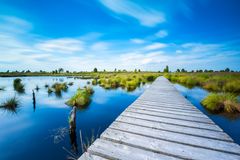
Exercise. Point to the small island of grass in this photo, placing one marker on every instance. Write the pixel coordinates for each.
(81, 97)
(221, 102)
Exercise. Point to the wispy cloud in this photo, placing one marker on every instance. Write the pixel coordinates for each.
(146, 16)
(155, 46)
(61, 45)
(161, 34)
(137, 41)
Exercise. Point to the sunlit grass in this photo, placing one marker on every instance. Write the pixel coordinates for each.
(216, 82)
(128, 81)
(81, 97)
(221, 102)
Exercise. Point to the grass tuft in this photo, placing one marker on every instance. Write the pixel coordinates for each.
(18, 86)
(221, 102)
(11, 104)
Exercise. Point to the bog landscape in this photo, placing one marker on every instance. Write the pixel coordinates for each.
(127, 80)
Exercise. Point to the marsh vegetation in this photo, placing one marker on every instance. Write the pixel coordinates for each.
(224, 88)
(81, 98)
(18, 85)
(10, 104)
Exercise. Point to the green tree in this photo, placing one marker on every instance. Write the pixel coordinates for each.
(95, 70)
(60, 70)
(166, 69)
(227, 70)
(178, 70)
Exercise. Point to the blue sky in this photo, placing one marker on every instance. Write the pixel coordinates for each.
(79, 35)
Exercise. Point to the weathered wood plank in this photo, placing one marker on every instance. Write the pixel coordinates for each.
(87, 156)
(175, 128)
(176, 110)
(173, 121)
(169, 115)
(113, 150)
(178, 138)
(165, 147)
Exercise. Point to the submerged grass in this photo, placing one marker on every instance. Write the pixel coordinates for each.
(221, 102)
(11, 104)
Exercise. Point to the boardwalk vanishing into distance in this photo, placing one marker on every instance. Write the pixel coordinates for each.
(162, 124)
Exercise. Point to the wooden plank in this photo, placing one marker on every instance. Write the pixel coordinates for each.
(173, 121)
(177, 110)
(188, 106)
(175, 128)
(165, 105)
(113, 150)
(165, 147)
(87, 156)
(163, 124)
(178, 138)
(173, 116)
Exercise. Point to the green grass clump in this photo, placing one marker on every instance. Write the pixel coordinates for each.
(124, 80)
(216, 81)
(232, 86)
(94, 82)
(89, 90)
(2, 88)
(81, 98)
(221, 102)
(59, 87)
(11, 104)
(18, 86)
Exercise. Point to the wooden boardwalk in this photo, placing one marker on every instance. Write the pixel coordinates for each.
(162, 124)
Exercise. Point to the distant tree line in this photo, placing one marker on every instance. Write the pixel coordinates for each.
(95, 70)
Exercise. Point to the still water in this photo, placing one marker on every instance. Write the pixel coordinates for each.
(41, 131)
(229, 123)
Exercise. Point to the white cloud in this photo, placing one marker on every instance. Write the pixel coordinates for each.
(179, 51)
(62, 45)
(145, 16)
(14, 24)
(155, 46)
(162, 34)
(99, 46)
(137, 41)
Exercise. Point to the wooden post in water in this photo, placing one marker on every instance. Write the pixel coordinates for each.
(72, 129)
(34, 100)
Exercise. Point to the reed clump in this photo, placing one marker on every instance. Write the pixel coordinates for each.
(81, 98)
(215, 82)
(18, 85)
(221, 102)
(126, 81)
(10, 104)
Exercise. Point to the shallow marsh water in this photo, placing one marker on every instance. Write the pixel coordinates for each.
(42, 132)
